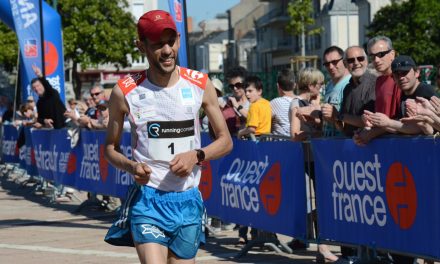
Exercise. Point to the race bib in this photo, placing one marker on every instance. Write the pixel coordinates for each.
(168, 138)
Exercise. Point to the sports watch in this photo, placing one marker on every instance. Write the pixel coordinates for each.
(200, 156)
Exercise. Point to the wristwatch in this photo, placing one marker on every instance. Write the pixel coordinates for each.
(239, 108)
(200, 156)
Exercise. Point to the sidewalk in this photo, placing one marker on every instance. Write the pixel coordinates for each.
(33, 230)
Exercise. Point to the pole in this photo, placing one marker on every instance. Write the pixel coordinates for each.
(16, 83)
(43, 70)
(348, 24)
(303, 48)
(186, 31)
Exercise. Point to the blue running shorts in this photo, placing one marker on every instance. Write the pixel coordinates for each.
(173, 219)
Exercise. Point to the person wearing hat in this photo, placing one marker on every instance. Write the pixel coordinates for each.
(163, 215)
(406, 75)
(102, 121)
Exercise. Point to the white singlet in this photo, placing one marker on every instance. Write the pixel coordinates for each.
(164, 122)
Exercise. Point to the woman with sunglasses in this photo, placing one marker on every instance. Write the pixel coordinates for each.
(238, 101)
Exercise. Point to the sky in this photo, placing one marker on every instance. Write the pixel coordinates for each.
(203, 9)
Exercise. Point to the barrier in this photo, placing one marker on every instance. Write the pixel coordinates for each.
(383, 196)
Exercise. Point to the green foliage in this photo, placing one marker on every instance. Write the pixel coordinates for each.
(414, 28)
(301, 16)
(97, 32)
(9, 47)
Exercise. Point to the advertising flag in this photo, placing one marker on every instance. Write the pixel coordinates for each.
(177, 10)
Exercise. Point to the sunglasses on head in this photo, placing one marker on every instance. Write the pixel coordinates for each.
(95, 94)
(352, 60)
(237, 85)
(380, 54)
(334, 62)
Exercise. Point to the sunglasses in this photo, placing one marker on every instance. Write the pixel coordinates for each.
(237, 85)
(334, 62)
(95, 94)
(352, 60)
(380, 54)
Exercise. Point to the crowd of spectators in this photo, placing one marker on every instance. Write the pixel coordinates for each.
(370, 93)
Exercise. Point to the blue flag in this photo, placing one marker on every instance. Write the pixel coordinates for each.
(25, 19)
(177, 10)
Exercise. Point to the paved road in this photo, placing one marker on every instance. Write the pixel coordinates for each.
(34, 230)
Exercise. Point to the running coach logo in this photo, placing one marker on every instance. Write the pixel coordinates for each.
(153, 130)
(270, 189)
(205, 185)
(401, 195)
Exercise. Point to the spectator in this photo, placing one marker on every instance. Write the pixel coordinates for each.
(381, 53)
(238, 101)
(258, 123)
(30, 100)
(258, 120)
(26, 116)
(310, 81)
(8, 115)
(281, 105)
(334, 89)
(72, 113)
(405, 74)
(96, 94)
(50, 108)
(359, 94)
(102, 121)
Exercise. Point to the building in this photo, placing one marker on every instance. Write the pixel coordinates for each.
(343, 23)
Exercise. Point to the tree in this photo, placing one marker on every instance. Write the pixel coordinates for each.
(414, 28)
(301, 18)
(97, 32)
(9, 50)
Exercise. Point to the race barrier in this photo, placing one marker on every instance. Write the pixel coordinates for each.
(259, 184)
(383, 196)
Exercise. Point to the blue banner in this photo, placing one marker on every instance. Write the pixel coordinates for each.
(27, 154)
(92, 171)
(51, 150)
(384, 195)
(24, 18)
(27, 24)
(259, 185)
(9, 144)
(177, 10)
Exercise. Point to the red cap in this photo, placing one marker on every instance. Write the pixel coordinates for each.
(152, 23)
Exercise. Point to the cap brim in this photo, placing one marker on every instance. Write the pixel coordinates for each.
(402, 69)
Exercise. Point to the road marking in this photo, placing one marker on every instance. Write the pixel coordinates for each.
(70, 251)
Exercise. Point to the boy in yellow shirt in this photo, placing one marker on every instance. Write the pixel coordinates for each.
(259, 117)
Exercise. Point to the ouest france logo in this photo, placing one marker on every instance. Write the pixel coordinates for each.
(249, 185)
(360, 196)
